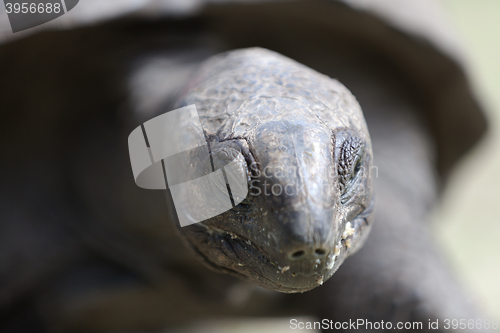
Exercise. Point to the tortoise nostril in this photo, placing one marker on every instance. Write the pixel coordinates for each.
(320, 252)
(305, 253)
(298, 254)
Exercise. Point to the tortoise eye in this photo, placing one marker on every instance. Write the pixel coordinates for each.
(350, 162)
(357, 167)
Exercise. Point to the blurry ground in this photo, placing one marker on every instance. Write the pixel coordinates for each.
(468, 221)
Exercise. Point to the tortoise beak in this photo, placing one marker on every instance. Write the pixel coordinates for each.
(299, 195)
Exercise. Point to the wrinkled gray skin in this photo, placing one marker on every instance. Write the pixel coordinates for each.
(305, 149)
(84, 249)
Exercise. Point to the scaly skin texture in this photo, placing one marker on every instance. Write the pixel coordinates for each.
(308, 157)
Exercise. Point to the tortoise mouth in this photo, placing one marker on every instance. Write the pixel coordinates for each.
(230, 252)
(292, 276)
(245, 259)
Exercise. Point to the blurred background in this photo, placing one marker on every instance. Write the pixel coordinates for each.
(468, 222)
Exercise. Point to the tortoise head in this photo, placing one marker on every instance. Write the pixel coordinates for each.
(301, 143)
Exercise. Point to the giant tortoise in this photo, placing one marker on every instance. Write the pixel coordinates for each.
(85, 249)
